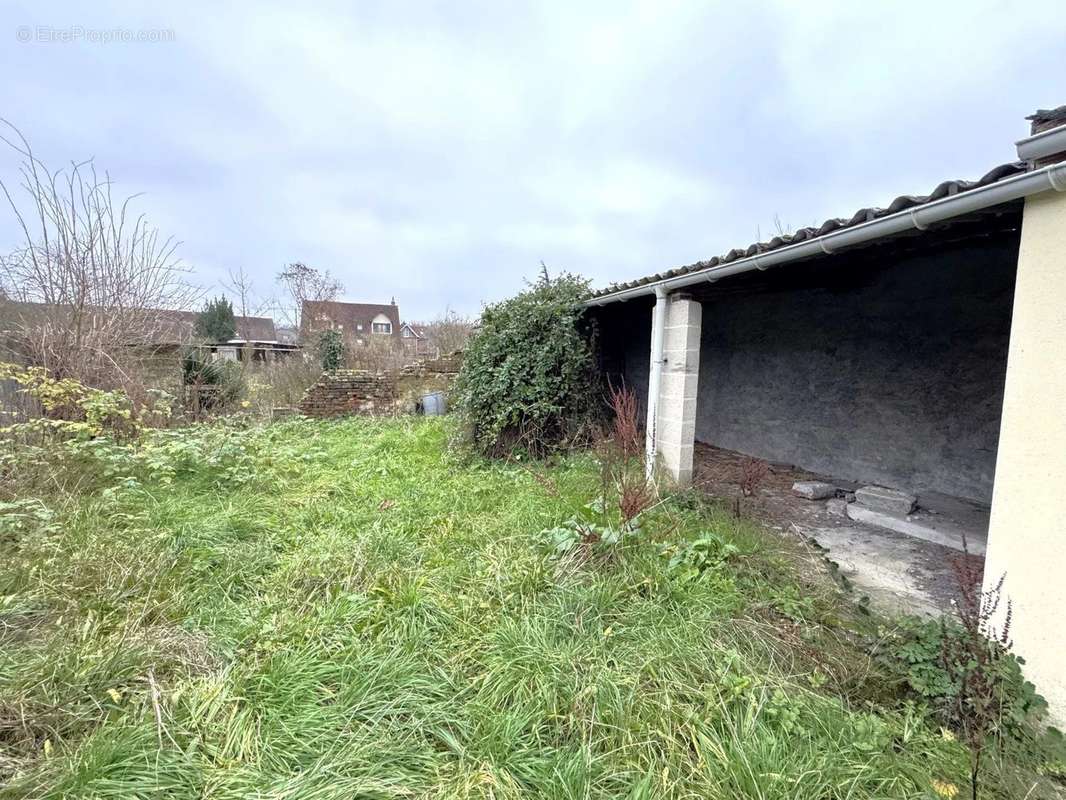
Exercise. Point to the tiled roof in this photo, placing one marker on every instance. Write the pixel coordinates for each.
(901, 203)
(1045, 116)
(178, 327)
(347, 315)
(419, 331)
(168, 327)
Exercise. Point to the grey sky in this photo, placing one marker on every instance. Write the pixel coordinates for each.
(439, 151)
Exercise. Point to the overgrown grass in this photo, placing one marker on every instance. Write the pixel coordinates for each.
(344, 610)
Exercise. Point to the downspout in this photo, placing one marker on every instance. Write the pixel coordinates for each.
(655, 379)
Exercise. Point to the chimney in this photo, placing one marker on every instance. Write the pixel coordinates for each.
(1046, 143)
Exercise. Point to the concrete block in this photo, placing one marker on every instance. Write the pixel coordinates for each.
(941, 533)
(676, 423)
(683, 312)
(890, 501)
(837, 506)
(814, 490)
(681, 359)
(679, 384)
(676, 430)
(681, 337)
(688, 405)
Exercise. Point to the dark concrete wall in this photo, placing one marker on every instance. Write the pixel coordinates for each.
(871, 367)
(624, 334)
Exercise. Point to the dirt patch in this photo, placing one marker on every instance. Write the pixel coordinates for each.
(897, 573)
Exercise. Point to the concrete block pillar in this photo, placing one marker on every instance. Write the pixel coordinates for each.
(1027, 532)
(675, 424)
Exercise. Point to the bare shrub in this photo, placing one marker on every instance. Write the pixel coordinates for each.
(977, 660)
(280, 383)
(88, 289)
(753, 471)
(625, 421)
(623, 456)
(375, 354)
(448, 332)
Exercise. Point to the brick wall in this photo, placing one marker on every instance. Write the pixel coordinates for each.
(356, 391)
(350, 391)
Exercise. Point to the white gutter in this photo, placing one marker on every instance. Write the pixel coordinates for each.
(655, 377)
(1043, 144)
(920, 217)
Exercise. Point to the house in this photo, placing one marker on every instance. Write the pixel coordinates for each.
(160, 331)
(257, 338)
(359, 323)
(414, 339)
(916, 346)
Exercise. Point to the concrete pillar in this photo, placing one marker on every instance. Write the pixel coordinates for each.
(1027, 533)
(676, 423)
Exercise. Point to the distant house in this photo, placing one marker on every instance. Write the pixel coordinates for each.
(257, 338)
(288, 334)
(414, 339)
(160, 331)
(358, 323)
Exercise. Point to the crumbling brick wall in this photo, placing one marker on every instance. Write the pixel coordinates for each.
(355, 391)
(350, 391)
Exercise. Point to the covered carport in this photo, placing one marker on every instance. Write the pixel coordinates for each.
(882, 364)
(917, 347)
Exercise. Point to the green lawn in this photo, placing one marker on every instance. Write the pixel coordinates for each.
(346, 610)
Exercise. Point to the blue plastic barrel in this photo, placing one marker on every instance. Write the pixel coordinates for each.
(433, 405)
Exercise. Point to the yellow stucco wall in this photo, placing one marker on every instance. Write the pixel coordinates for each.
(1027, 536)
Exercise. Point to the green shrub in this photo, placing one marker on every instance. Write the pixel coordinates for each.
(331, 350)
(216, 323)
(527, 379)
(924, 656)
(216, 384)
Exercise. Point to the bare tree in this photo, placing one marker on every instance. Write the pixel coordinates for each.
(300, 282)
(448, 332)
(89, 288)
(248, 302)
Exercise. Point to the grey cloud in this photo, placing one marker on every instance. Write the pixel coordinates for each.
(439, 152)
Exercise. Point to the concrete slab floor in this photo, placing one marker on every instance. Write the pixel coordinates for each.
(897, 572)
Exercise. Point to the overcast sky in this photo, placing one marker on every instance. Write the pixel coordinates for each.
(437, 152)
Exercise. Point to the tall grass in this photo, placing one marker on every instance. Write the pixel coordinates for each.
(355, 613)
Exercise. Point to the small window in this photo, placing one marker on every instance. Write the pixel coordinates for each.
(407, 333)
(382, 327)
(359, 327)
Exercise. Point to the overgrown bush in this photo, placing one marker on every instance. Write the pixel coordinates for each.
(330, 348)
(214, 385)
(73, 410)
(280, 383)
(597, 529)
(527, 379)
(964, 670)
(53, 449)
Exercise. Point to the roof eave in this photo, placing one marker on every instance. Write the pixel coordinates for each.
(1043, 144)
(1052, 177)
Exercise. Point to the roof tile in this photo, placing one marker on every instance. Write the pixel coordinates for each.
(901, 203)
